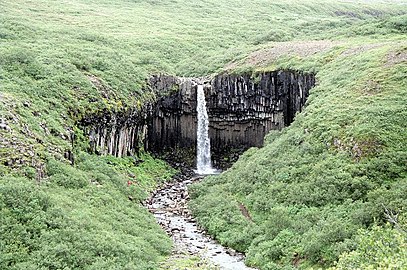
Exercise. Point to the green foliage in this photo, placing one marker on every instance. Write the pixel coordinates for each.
(333, 172)
(82, 217)
(378, 248)
(65, 175)
(181, 261)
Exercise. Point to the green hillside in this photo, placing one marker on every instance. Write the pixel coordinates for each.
(334, 171)
(329, 178)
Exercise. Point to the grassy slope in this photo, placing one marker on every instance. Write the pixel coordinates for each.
(313, 185)
(46, 57)
(331, 173)
(49, 48)
(83, 217)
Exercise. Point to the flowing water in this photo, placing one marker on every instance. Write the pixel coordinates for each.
(169, 206)
(203, 158)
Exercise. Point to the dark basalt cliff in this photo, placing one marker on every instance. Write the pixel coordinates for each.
(116, 134)
(242, 109)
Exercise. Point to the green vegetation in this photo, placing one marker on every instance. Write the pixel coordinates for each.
(67, 59)
(316, 190)
(378, 248)
(176, 262)
(83, 217)
(333, 172)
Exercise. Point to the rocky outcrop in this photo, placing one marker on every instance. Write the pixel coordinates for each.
(242, 109)
(119, 134)
(172, 119)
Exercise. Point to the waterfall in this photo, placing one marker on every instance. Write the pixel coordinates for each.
(204, 164)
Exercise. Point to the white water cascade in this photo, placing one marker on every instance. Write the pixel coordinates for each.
(204, 164)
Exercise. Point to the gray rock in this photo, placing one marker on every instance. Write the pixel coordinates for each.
(5, 127)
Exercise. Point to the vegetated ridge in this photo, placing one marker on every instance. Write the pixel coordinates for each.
(340, 167)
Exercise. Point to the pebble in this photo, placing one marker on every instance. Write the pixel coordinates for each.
(5, 127)
(169, 206)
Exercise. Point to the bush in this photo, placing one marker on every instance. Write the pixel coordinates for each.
(379, 248)
(65, 175)
(64, 222)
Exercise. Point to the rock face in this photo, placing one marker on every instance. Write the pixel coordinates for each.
(116, 134)
(242, 109)
(173, 118)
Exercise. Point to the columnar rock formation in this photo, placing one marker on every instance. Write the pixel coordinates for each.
(242, 110)
(116, 134)
(173, 118)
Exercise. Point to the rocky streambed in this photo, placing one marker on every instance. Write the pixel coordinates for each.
(169, 206)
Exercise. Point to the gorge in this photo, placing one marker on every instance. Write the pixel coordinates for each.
(242, 109)
(305, 120)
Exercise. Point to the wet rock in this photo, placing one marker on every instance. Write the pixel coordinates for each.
(187, 237)
(242, 108)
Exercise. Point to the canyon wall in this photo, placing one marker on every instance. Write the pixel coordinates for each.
(242, 109)
(119, 134)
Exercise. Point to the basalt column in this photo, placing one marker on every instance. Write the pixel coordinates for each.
(117, 134)
(242, 109)
(173, 118)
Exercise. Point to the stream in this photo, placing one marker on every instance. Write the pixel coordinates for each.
(169, 206)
